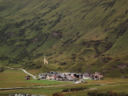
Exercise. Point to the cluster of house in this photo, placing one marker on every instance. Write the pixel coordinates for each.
(67, 76)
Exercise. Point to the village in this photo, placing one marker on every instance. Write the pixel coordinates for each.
(68, 76)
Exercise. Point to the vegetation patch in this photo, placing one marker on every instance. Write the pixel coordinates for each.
(110, 93)
(49, 82)
(74, 89)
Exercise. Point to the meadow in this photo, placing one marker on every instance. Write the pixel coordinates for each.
(15, 78)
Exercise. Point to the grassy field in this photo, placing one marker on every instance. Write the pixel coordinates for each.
(115, 85)
(15, 78)
(48, 82)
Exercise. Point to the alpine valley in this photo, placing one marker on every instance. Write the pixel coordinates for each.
(74, 35)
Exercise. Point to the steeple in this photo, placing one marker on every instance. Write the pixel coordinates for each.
(45, 60)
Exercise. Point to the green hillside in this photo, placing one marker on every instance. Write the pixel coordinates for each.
(80, 35)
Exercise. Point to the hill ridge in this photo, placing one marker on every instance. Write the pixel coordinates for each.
(75, 36)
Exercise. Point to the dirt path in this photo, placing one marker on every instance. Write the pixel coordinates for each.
(26, 72)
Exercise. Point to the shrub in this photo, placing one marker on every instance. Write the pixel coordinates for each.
(110, 93)
(74, 89)
(57, 94)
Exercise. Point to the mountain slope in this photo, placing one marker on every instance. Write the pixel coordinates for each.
(77, 36)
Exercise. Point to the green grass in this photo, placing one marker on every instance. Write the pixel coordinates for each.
(16, 78)
(108, 84)
(49, 82)
(12, 78)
